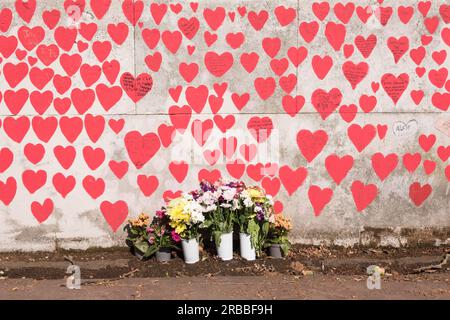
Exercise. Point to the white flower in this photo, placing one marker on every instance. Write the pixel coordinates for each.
(272, 218)
(225, 205)
(208, 198)
(229, 193)
(236, 205)
(210, 208)
(197, 217)
(187, 196)
(248, 202)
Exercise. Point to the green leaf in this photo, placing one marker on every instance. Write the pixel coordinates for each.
(141, 245)
(217, 235)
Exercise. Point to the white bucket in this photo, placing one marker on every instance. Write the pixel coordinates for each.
(190, 250)
(247, 252)
(225, 249)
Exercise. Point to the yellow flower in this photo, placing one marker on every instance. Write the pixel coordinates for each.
(178, 218)
(143, 217)
(179, 228)
(254, 192)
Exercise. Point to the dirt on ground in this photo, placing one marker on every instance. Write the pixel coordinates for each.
(303, 260)
(275, 287)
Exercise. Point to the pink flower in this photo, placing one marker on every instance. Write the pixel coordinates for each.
(175, 236)
(160, 213)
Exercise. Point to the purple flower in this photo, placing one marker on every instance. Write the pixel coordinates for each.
(207, 186)
(260, 216)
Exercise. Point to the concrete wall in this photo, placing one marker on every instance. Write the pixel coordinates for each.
(317, 71)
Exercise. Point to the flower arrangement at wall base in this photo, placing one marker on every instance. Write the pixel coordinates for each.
(216, 208)
(152, 238)
(253, 220)
(186, 217)
(277, 239)
(222, 203)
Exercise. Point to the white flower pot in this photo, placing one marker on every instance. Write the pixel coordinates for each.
(190, 250)
(247, 252)
(225, 249)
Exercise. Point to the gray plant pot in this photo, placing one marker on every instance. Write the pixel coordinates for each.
(138, 254)
(163, 255)
(275, 251)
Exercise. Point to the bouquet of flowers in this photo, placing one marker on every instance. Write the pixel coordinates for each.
(254, 217)
(185, 215)
(218, 206)
(220, 203)
(278, 233)
(147, 238)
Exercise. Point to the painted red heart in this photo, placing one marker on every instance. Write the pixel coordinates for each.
(6, 158)
(384, 165)
(319, 198)
(419, 193)
(44, 128)
(292, 179)
(42, 211)
(355, 73)
(179, 170)
(395, 85)
(71, 127)
(214, 17)
(136, 88)
(94, 187)
(8, 190)
(65, 155)
(63, 185)
(100, 7)
(114, 213)
(311, 144)
(141, 148)
(361, 136)
(366, 45)
(118, 168)
(210, 176)
(5, 19)
(271, 185)
(338, 167)
(442, 152)
(201, 130)
(335, 34)
(218, 64)
(147, 184)
(16, 128)
(34, 180)
(326, 103)
(398, 47)
(260, 128)
(427, 142)
(321, 66)
(411, 161)
(25, 9)
(236, 168)
(132, 9)
(363, 195)
(94, 125)
(94, 157)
